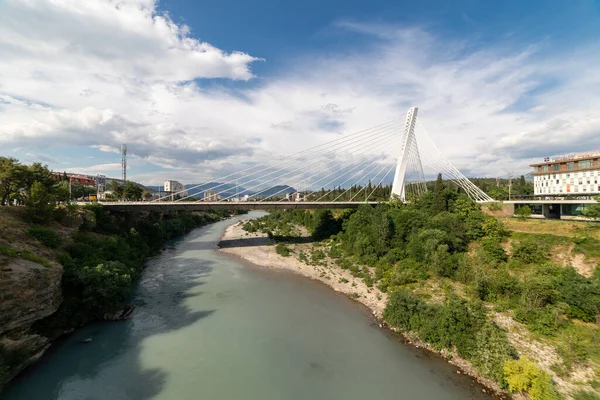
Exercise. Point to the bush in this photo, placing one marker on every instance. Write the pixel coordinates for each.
(453, 324)
(523, 212)
(492, 248)
(282, 250)
(46, 236)
(529, 251)
(523, 375)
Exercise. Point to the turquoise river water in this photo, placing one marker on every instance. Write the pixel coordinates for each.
(208, 326)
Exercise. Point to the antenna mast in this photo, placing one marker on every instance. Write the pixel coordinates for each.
(124, 162)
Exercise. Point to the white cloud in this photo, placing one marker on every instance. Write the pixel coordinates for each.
(101, 73)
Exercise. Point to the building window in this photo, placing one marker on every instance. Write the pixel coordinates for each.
(555, 167)
(571, 165)
(585, 164)
(544, 168)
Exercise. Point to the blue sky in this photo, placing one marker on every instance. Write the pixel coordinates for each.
(198, 88)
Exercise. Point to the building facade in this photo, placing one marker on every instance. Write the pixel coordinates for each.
(211, 195)
(573, 174)
(175, 188)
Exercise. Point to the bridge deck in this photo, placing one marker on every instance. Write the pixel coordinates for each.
(229, 205)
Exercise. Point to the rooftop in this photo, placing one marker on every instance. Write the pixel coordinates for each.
(569, 157)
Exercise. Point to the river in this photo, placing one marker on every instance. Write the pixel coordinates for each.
(207, 326)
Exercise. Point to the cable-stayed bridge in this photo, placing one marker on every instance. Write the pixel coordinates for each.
(342, 173)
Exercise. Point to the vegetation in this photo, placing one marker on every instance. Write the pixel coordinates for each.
(524, 376)
(105, 257)
(592, 211)
(46, 236)
(523, 212)
(449, 270)
(282, 250)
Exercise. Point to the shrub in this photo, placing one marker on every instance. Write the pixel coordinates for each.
(282, 250)
(522, 375)
(492, 248)
(491, 227)
(492, 350)
(541, 320)
(529, 252)
(523, 212)
(453, 324)
(46, 236)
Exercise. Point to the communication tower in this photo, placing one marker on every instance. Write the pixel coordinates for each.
(124, 162)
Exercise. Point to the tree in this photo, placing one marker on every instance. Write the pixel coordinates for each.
(523, 212)
(131, 191)
(147, 195)
(439, 199)
(39, 203)
(117, 189)
(37, 172)
(592, 211)
(11, 177)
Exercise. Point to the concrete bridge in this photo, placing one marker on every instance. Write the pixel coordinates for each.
(166, 206)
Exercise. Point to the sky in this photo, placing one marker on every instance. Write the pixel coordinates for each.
(200, 89)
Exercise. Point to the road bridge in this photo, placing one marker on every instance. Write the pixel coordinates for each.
(332, 175)
(166, 206)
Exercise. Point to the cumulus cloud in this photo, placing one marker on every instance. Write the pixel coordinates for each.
(99, 73)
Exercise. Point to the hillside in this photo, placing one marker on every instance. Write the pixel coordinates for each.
(79, 267)
(516, 303)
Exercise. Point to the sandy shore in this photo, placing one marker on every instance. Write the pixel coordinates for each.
(259, 250)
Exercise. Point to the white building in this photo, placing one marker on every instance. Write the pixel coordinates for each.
(573, 174)
(175, 188)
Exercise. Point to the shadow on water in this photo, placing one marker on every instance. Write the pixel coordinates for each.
(72, 369)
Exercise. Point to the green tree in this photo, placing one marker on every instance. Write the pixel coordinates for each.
(117, 190)
(37, 172)
(523, 212)
(592, 211)
(11, 177)
(439, 199)
(39, 203)
(131, 191)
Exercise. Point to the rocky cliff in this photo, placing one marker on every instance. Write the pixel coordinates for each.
(30, 290)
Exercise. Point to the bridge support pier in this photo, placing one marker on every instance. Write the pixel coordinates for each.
(403, 158)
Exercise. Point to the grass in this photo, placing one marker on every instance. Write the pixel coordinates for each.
(24, 254)
(554, 227)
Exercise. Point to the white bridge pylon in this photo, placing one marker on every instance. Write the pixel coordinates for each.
(348, 169)
(416, 150)
(409, 146)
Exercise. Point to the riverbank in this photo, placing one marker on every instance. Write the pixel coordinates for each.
(79, 268)
(258, 249)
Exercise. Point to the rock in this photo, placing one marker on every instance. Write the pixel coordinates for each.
(88, 340)
(119, 315)
(483, 390)
(30, 292)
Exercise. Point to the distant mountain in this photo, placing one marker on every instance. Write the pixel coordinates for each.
(279, 190)
(224, 189)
